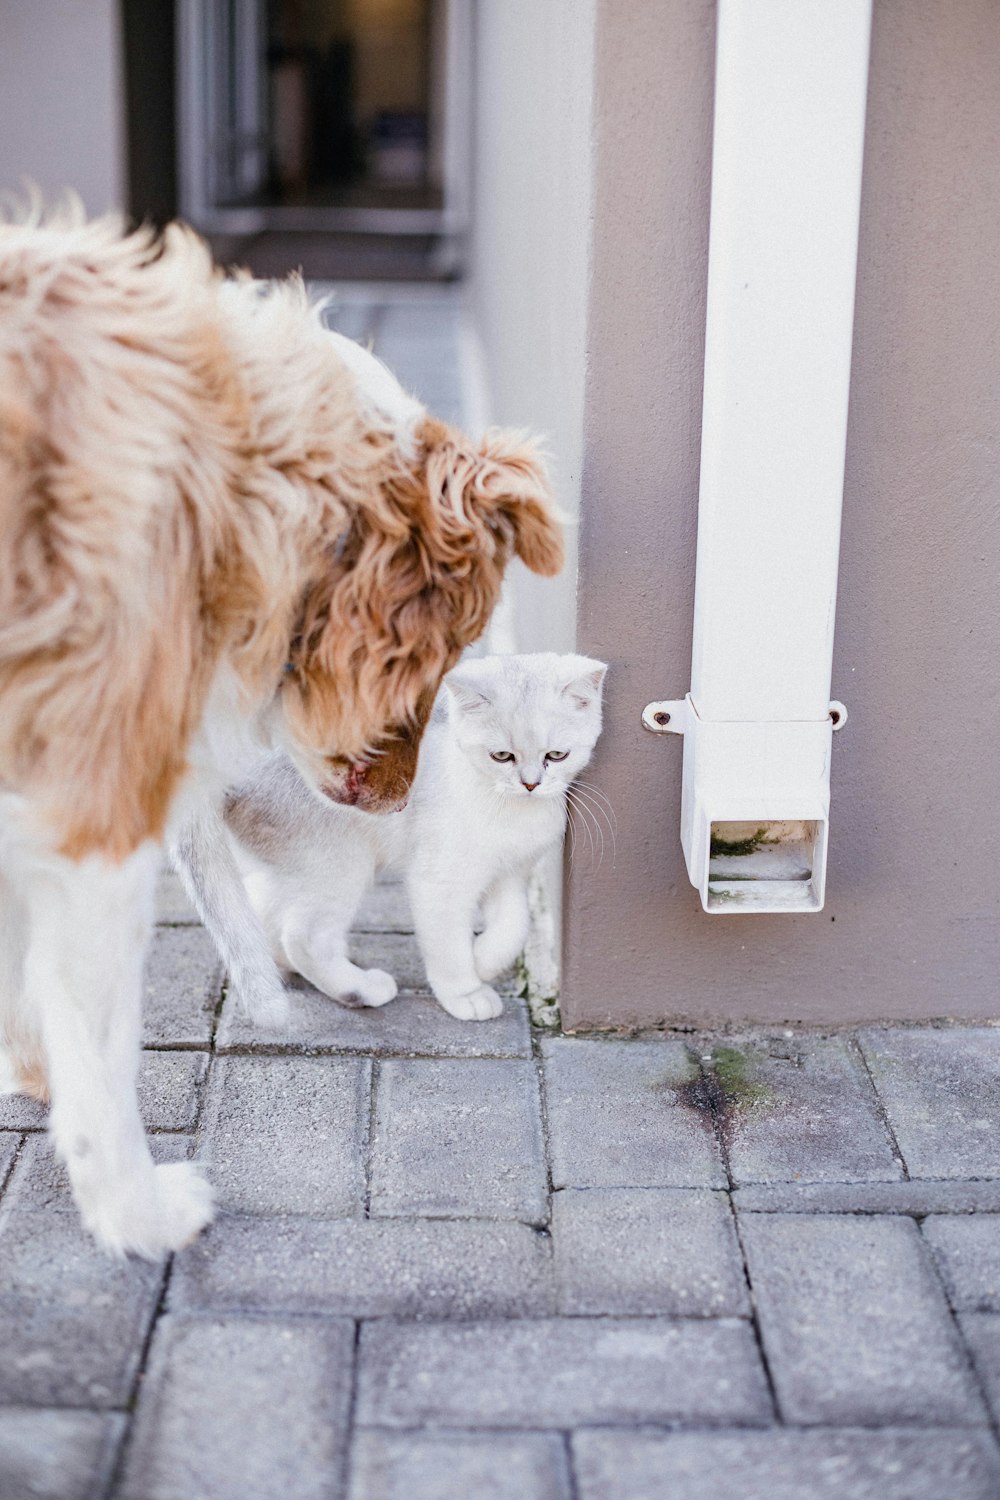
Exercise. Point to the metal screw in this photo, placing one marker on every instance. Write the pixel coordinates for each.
(661, 718)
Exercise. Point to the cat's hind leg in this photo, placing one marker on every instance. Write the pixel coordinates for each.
(506, 921)
(316, 948)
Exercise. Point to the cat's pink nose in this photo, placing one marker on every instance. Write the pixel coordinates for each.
(529, 786)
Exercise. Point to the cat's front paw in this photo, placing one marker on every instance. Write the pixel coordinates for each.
(481, 1004)
(370, 987)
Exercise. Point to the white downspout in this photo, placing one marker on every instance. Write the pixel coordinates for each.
(791, 78)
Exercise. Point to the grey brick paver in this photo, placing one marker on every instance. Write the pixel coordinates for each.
(854, 1323)
(941, 1091)
(921, 1197)
(818, 1465)
(56, 1455)
(286, 1134)
(647, 1250)
(805, 1111)
(408, 1025)
(967, 1251)
(40, 1182)
(458, 1466)
(169, 1085)
(560, 1373)
(234, 1408)
(9, 1142)
(368, 1268)
(172, 904)
(981, 1332)
(385, 909)
(618, 1117)
(183, 983)
(72, 1319)
(458, 1138)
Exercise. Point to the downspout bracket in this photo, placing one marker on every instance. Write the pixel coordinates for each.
(666, 717)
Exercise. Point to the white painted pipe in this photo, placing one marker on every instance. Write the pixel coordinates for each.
(791, 78)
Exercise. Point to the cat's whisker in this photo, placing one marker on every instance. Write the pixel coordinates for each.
(574, 807)
(603, 817)
(603, 798)
(600, 815)
(588, 820)
(572, 834)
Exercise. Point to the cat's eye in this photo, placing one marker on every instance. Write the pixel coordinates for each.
(556, 754)
(501, 755)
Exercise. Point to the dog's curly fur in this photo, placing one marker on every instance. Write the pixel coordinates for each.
(187, 476)
(195, 499)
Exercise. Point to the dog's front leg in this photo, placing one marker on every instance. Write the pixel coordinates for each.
(88, 927)
(204, 859)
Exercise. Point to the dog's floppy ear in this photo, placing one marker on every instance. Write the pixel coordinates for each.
(513, 471)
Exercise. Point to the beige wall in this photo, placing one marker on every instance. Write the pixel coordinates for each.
(529, 250)
(62, 98)
(912, 922)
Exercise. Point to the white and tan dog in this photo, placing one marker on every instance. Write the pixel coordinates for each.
(214, 540)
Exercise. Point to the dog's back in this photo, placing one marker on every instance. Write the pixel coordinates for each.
(119, 423)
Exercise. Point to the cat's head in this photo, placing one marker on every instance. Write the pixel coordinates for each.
(528, 723)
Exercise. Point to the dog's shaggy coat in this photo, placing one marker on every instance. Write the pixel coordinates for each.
(211, 541)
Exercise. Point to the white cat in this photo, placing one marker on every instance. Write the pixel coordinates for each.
(507, 737)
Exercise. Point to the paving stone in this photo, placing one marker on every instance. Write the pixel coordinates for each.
(967, 1251)
(408, 1025)
(941, 1091)
(385, 909)
(173, 907)
(458, 1466)
(368, 1268)
(920, 1197)
(9, 1142)
(18, 1112)
(854, 1323)
(238, 1407)
(183, 983)
(56, 1455)
(72, 1319)
(803, 1110)
(458, 1138)
(647, 1250)
(560, 1373)
(981, 1332)
(169, 1086)
(40, 1182)
(846, 1465)
(618, 1118)
(286, 1134)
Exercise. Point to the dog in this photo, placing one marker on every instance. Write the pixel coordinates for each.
(216, 539)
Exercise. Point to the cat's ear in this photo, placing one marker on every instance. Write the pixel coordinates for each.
(584, 687)
(466, 694)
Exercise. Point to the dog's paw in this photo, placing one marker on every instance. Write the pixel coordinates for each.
(370, 988)
(481, 1004)
(171, 1209)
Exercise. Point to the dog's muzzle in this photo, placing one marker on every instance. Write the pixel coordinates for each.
(354, 790)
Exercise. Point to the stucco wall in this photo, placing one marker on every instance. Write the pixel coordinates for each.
(61, 98)
(912, 922)
(529, 250)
